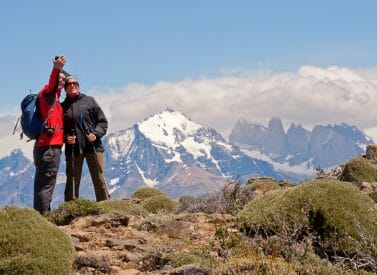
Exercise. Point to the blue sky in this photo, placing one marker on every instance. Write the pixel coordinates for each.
(307, 62)
(114, 43)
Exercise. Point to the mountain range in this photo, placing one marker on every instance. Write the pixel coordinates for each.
(171, 152)
(324, 146)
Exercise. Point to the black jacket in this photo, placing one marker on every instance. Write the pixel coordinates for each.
(83, 115)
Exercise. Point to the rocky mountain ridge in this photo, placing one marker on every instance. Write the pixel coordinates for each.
(324, 146)
(181, 157)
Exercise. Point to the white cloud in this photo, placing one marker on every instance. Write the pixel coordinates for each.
(10, 141)
(309, 97)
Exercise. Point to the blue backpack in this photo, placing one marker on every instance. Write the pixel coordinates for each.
(31, 122)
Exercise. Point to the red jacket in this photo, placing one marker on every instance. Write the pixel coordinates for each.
(47, 96)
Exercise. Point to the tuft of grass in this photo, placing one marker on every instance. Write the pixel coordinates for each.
(29, 244)
(122, 207)
(159, 203)
(263, 185)
(358, 170)
(67, 211)
(178, 258)
(145, 193)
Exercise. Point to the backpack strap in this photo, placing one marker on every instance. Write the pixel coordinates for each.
(16, 126)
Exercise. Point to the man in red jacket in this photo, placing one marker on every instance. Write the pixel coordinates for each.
(47, 148)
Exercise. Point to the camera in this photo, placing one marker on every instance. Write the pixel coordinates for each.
(50, 130)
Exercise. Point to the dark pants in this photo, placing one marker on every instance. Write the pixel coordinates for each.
(46, 160)
(96, 168)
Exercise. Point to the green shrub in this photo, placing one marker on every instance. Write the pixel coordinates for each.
(358, 170)
(342, 218)
(145, 193)
(263, 185)
(159, 203)
(29, 244)
(178, 258)
(122, 207)
(67, 211)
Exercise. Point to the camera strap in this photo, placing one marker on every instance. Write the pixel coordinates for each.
(50, 112)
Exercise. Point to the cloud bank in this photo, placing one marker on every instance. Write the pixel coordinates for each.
(309, 97)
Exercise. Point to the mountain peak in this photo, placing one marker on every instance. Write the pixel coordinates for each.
(169, 110)
(275, 124)
(16, 161)
(242, 121)
(166, 126)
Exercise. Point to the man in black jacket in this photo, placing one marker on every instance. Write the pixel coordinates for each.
(84, 126)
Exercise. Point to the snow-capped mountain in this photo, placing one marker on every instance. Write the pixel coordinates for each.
(16, 178)
(299, 150)
(170, 152)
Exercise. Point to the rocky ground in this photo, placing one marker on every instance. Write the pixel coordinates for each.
(115, 244)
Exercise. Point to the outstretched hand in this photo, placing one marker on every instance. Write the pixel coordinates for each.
(59, 62)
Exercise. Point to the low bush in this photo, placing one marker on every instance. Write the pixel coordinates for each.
(340, 219)
(179, 258)
(358, 170)
(67, 211)
(159, 203)
(263, 185)
(122, 207)
(29, 244)
(145, 193)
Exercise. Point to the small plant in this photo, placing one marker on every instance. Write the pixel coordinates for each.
(263, 185)
(225, 241)
(153, 222)
(145, 193)
(122, 207)
(67, 211)
(230, 200)
(159, 203)
(205, 204)
(235, 196)
(179, 258)
(358, 170)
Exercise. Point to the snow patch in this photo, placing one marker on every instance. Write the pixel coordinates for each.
(120, 144)
(114, 181)
(113, 189)
(151, 183)
(297, 169)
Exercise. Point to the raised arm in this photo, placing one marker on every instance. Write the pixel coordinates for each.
(54, 76)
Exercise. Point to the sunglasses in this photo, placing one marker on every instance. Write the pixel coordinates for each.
(71, 83)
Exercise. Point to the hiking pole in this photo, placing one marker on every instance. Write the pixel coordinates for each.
(87, 132)
(73, 133)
